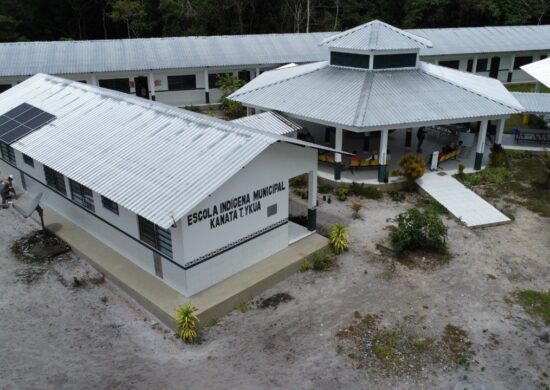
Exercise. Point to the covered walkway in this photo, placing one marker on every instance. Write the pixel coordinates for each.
(463, 203)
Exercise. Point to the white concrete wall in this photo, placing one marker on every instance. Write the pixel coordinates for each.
(278, 163)
(126, 221)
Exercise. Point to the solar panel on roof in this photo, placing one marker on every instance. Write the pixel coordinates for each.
(21, 121)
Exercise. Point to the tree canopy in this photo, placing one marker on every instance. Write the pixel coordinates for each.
(101, 19)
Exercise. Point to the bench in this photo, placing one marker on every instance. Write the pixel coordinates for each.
(540, 137)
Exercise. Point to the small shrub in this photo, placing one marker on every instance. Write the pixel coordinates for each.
(342, 193)
(324, 186)
(244, 306)
(497, 158)
(396, 196)
(233, 109)
(412, 167)
(356, 207)
(306, 266)
(298, 181)
(104, 299)
(461, 167)
(369, 192)
(323, 260)
(187, 322)
(339, 237)
(419, 230)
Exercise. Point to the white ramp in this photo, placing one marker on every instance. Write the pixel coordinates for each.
(463, 203)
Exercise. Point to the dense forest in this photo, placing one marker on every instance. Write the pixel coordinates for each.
(30, 20)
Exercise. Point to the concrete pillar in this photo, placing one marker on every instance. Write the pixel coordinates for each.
(248, 111)
(480, 148)
(382, 155)
(537, 87)
(408, 137)
(257, 71)
(94, 80)
(312, 201)
(511, 69)
(474, 66)
(499, 134)
(151, 80)
(337, 156)
(206, 87)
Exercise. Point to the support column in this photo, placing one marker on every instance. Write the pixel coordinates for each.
(511, 69)
(94, 80)
(481, 136)
(338, 156)
(474, 66)
(312, 201)
(206, 87)
(408, 138)
(382, 155)
(151, 79)
(257, 71)
(499, 134)
(249, 111)
(537, 87)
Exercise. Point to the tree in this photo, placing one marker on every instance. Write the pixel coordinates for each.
(132, 13)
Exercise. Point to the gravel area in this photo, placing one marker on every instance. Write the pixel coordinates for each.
(56, 335)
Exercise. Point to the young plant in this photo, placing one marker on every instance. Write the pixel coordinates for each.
(187, 322)
(419, 230)
(342, 193)
(356, 207)
(461, 169)
(339, 238)
(412, 167)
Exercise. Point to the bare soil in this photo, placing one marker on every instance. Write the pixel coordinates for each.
(55, 335)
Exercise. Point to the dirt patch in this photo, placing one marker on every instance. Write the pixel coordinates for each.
(399, 350)
(38, 247)
(275, 300)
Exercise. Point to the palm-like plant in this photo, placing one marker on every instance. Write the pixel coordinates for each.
(339, 237)
(187, 322)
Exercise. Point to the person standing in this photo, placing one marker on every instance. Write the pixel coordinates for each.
(421, 134)
(6, 189)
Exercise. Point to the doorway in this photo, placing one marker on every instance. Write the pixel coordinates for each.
(142, 87)
(495, 66)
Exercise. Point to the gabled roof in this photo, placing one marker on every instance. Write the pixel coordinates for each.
(485, 40)
(539, 70)
(145, 54)
(269, 121)
(534, 103)
(376, 35)
(155, 160)
(369, 100)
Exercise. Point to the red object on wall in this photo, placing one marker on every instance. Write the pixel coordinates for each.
(157, 83)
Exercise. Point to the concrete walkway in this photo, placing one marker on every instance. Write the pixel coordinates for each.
(160, 299)
(463, 203)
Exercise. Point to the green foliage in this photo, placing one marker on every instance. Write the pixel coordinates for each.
(419, 230)
(132, 13)
(233, 109)
(187, 322)
(433, 205)
(365, 191)
(339, 238)
(461, 167)
(228, 83)
(396, 196)
(497, 159)
(324, 186)
(412, 167)
(298, 181)
(536, 303)
(320, 261)
(342, 193)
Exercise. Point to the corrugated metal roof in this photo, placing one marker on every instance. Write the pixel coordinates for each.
(269, 121)
(376, 35)
(68, 57)
(539, 70)
(483, 40)
(155, 160)
(29, 58)
(372, 99)
(534, 103)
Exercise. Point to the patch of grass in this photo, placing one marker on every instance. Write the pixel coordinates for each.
(397, 196)
(432, 205)
(526, 87)
(536, 303)
(399, 351)
(275, 300)
(298, 181)
(320, 261)
(244, 306)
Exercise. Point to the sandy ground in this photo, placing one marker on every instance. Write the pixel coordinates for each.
(56, 336)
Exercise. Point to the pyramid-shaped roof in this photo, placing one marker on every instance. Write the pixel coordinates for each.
(376, 35)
